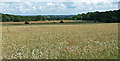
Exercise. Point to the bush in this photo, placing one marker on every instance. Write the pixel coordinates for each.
(61, 22)
(26, 22)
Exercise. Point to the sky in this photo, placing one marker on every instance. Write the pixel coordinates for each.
(55, 7)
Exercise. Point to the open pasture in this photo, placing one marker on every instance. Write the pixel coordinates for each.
(83, 41)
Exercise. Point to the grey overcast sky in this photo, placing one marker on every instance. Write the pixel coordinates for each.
(55, 7)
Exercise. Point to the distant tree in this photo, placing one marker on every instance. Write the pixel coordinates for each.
(26, 22)
(108, 16)
(61, 22)
(6, 18)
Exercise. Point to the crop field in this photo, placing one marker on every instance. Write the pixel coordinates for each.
(70, 41)
(35, 22)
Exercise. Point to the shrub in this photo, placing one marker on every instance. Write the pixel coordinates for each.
(26, 22)
(61, 22)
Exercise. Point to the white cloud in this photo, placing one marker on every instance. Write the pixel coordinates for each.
(50, 4)
(55, 7)
(28, 3)
(36, 8)
(58, 0)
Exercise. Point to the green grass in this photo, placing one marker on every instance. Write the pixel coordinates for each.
(90, 41)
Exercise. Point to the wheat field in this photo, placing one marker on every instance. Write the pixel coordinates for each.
(71, 41)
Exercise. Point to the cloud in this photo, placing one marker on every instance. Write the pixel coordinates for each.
(59, 1)
(50, 4)
(95, 6)
(56, 7)
(88, 1)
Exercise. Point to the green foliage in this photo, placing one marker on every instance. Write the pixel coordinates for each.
(16, 18)
(61, 22)
(59, 17)
(26, 22)
(108, 16)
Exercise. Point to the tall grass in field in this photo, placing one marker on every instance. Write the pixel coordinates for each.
(0, 41)
(0, 37)
(78, 41)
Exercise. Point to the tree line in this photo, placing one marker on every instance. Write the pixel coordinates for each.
(17, 18)
(59, 17)
(107, 17)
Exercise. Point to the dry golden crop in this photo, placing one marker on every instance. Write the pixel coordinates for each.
(34, 22)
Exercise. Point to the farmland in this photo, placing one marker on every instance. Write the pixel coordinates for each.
(75, 41)
(35, 22)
